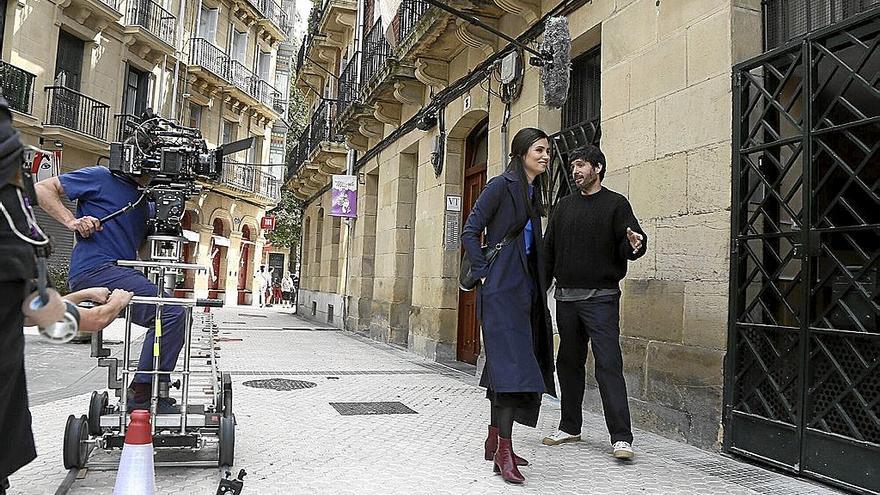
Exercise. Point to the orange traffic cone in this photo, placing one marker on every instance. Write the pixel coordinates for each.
(136, 474)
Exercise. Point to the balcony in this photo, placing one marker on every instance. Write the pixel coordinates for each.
(73, 116)
(206, 56)
(377, 55)
(95, 15)
(125, 124)
(787, 20)
(17, 86)
(275, 20)
(149, 30)
(250, 182)
(326, 145)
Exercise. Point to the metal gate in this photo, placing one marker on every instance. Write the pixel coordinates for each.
(802, 389)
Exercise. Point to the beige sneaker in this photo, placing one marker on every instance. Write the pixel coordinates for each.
(623, 450)
(560, 437)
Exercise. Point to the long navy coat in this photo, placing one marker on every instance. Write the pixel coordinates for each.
(519, 358)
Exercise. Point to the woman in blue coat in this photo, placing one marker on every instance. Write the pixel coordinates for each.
(511, 300)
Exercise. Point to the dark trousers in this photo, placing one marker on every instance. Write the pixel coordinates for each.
(173, 317)
(15, 418)
(596, 321)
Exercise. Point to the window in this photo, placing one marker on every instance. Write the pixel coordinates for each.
(255, 152)
(136, 94)
(239, 45)
(208, 24)
(583, 103)
(263, 63)
(230, 133)
(195, 116)
(68, 65)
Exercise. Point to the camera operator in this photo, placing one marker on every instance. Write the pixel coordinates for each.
(17, 268)
(100, 192)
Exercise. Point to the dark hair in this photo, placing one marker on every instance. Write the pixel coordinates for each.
(589, 153)
(522, 141)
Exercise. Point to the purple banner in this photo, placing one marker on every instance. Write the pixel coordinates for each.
(343, 196)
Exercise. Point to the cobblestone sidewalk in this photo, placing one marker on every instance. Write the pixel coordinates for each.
(296, 442)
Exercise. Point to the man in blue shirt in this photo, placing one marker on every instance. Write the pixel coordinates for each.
(98, 193)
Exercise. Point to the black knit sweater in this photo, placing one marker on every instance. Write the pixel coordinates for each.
(585, 245)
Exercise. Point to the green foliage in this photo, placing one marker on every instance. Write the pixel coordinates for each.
(58, 278)
(288, 224)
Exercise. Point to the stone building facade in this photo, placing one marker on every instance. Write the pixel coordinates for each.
(652, 84)
(654, 77)
(77, 70)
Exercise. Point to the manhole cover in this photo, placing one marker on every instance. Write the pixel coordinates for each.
(282, 384)
(369, 408)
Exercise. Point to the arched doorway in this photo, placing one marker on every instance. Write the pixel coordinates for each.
(217, 283)
(476, 160)
(185, 287)
(243, 264)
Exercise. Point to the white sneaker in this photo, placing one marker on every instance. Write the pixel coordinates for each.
(560, 437)
(623, 450)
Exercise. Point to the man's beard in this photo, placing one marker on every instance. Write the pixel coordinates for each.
(586, 183)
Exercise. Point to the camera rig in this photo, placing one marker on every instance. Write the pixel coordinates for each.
(174, 157)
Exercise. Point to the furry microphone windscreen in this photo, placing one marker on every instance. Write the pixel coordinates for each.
(555, 73)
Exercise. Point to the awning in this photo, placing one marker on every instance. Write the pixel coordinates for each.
(219, 240)
(190, 236)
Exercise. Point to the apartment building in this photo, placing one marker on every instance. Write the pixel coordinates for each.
(745, 135)
(75, 71)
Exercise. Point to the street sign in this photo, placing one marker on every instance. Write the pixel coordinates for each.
(268, 223)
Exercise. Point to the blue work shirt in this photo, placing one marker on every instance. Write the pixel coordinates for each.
(99, 193)
(530, 235)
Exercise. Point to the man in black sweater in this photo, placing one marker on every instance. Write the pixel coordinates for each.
(589, 239)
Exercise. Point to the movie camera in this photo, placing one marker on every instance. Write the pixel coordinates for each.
(174, 157)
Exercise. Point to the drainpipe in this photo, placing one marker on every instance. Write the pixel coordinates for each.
(350, 161)
(178, 51)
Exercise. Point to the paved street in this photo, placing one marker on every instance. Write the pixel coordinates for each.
(296, 442)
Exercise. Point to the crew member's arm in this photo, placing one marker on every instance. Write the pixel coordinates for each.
(49, 194)
(97, 295)
(632, 240)
(97, 318)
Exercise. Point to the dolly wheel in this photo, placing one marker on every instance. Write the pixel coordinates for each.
(227, 441)
(76, 433)
(226, 394)
(97, 406)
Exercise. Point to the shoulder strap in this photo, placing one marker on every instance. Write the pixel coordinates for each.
(513, 234)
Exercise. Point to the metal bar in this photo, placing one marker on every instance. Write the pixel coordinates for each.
(126, 349)
(157, 347)
(164, 301)
(187, 339)
(161, 264)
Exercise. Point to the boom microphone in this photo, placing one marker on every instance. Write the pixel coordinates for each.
(557, 64)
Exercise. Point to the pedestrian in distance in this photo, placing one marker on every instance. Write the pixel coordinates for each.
(287, 289)
(511, 298)
(259, 287)
(591, 236)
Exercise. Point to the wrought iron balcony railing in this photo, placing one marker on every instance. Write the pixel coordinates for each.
(303, 146)
(250, 179)
(322, 128)
(74, 110)
(408, 16)
(205, 54)
(114, 4)
(125, 123)
(376, 52)
(347, 91)
(301, 56)
(242, 77)
(786, 20)
(152, 17)
(17, 86)
(275, 13)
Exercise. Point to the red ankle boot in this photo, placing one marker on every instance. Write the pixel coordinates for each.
(491, 446)
(504, 463)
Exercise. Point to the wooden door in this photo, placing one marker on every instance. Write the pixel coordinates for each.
(243, 263)
(476, 154)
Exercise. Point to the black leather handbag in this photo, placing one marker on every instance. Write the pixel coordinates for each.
(466, 281)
